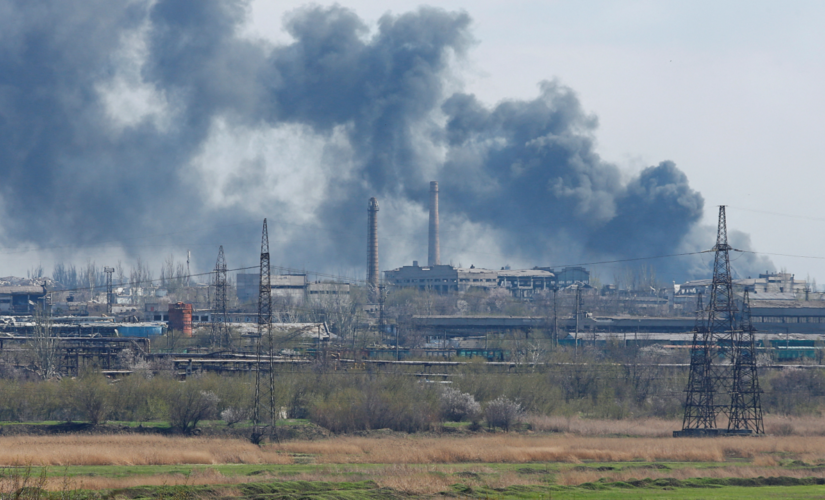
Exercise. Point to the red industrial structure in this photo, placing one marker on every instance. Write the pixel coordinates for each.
(180, 318)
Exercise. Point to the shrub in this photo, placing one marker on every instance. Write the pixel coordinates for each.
(234, 415)
(388, 403)
(457, 406)
(188, 404)
(91, 396)
(502, 412)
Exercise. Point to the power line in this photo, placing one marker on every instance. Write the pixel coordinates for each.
(139, 282)
(778, 214)
(632, 259)
(779, 254)
(118, 243)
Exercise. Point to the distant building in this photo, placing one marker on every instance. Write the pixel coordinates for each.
(446, 278)
(569, 275)
(526, 283)
(295, 286)
(20, 299)
(442, 278)
(768, 286)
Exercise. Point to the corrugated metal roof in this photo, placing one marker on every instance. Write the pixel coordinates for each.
(787, 304)
(525, 273)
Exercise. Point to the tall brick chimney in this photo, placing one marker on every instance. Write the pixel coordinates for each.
(434, 254)
(372, 244)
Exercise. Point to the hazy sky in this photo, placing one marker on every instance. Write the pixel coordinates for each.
(728, 92)
(732, 92)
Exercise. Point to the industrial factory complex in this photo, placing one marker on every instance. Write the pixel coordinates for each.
(102, 319)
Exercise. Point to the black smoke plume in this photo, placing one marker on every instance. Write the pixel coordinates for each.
(83, 166)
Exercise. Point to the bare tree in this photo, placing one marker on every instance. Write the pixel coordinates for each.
(502, 412)
(44, 345)
(120, 273)
(188, 404)
(90, 396)
(65, 275)
(35, 272)
(343, 312)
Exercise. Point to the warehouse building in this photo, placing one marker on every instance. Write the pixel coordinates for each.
(20, 299)
(442, 278)
(294, 286)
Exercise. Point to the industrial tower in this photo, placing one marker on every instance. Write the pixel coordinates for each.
(373, 274)
(723, 379)
(264, 331)
(220, 330)
(110, 296)
(434, 246)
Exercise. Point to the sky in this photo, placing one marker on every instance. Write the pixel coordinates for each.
(728, 93)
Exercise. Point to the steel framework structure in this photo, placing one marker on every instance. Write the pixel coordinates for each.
(723, 378)
(220, 330)
(264, 330)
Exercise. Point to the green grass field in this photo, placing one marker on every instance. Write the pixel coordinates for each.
(319, 481)
(368, 489)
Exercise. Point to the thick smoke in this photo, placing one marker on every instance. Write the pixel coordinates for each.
(113, 116)
(533, 162)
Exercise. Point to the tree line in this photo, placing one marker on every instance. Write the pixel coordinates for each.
(359, 398)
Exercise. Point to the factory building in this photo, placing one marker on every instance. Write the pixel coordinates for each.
(442, 278)
(524, 284)
(570, 275)
(446, 278)
(767, 287)
(294, 286)
(20, 299)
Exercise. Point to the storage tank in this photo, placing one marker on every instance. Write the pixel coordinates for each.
(180, 318)
(139, 330)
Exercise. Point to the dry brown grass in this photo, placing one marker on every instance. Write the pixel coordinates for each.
(777, 425)
(413, 480)
(200, 477)
(131, 450)
(100, 483)
(642, 427)
(509, 448)
(811, 425)
(416, 465)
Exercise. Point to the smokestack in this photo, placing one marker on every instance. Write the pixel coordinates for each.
(372, 244)
(434, 254)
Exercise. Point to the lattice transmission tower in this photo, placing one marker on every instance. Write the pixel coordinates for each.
(220, 328)
(723, 378)
(746, 407)
(264, 334)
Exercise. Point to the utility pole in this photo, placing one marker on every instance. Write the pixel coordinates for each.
(555, 316)
(578, 312)
(397, 354)
(110, 296)
(381, 309)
